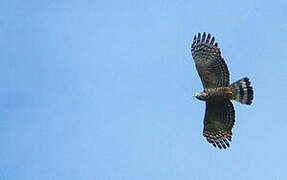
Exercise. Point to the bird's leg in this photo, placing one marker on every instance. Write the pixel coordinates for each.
(228, 93)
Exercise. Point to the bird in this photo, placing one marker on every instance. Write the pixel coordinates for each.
(218, 92)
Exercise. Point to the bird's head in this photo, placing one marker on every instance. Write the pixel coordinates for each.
(201, 96)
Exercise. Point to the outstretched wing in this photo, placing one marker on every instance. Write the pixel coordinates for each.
(218, 121)
(210, 65)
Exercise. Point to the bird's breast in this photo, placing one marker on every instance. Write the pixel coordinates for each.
(217, 92)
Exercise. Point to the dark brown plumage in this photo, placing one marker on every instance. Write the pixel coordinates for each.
(213, 72)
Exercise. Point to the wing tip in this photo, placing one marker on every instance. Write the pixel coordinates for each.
(218, 139)
(205, 38)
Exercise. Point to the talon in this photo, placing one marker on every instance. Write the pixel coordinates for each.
(229, 93)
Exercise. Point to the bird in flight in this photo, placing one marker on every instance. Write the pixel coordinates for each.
(219, 112)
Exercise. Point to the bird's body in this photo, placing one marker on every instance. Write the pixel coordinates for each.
(224, 92)
(218, 93)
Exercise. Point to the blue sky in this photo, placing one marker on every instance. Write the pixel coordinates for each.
(102, 90)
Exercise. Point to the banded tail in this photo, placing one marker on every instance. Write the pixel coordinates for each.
(242, 91)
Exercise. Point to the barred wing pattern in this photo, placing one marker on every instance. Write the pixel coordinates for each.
(210, 65)
(218, 121)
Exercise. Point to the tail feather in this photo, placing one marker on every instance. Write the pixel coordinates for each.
(242, 91)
